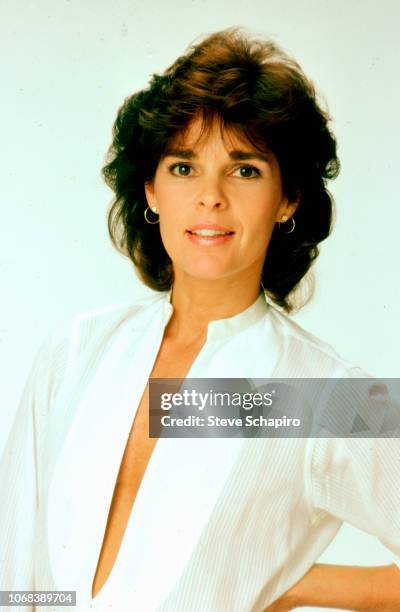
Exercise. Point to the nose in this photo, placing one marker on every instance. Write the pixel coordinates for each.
(212, 194)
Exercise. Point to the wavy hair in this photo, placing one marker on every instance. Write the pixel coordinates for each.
(258, 91)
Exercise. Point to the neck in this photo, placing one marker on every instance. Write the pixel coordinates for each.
(196, 302)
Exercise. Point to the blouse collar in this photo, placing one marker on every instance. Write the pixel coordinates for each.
(229, 326)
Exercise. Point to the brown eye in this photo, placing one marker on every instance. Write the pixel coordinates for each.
(248, 171)
(181, 169)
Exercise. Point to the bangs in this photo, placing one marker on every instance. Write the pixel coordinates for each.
(233, 134)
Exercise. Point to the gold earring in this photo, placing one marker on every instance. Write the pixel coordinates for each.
(285, 218)
(153, 210)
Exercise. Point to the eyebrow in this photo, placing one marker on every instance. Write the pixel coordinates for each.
(237, 154)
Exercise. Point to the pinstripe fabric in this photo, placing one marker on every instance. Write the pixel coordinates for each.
(218, 525)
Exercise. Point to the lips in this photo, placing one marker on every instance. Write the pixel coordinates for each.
(209, 234)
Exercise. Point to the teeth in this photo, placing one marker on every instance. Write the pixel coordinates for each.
(208, 232)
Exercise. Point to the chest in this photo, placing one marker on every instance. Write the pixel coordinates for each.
(170, 362)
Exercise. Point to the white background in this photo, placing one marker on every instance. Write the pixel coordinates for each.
(66, 68)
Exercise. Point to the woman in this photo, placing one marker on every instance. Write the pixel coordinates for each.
(219, 169)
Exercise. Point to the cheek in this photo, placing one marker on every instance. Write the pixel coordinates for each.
(171, 201)
(257, 230)
(172, 227)
(259, 222)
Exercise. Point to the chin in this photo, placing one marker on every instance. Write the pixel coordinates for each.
(208, 272)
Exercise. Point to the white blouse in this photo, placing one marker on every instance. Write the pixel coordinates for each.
(218, 524)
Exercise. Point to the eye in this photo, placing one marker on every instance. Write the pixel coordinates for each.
(248, 172)
(180, 169)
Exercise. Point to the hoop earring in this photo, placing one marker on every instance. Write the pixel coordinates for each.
(284, 219)
(153, 210)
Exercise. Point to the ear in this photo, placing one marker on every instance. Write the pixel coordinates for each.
(287, 208)
(149, 193)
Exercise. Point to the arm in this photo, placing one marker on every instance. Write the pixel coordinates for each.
(21, 467)
(356, 479)
(363, 589)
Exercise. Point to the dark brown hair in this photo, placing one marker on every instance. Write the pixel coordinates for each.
(254, 88)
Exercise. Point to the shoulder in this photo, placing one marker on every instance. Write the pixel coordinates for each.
(308, 354)
(71, 349)
(87, 333)
(103, 322)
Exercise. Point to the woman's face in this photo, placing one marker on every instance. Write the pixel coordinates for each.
(209, 185)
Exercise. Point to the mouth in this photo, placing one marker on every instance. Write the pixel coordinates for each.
(209, 237)
(209, 232)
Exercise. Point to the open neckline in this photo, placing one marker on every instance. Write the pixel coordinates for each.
(102, 593)
(228, 326)
(221, 326)
(148, 474)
